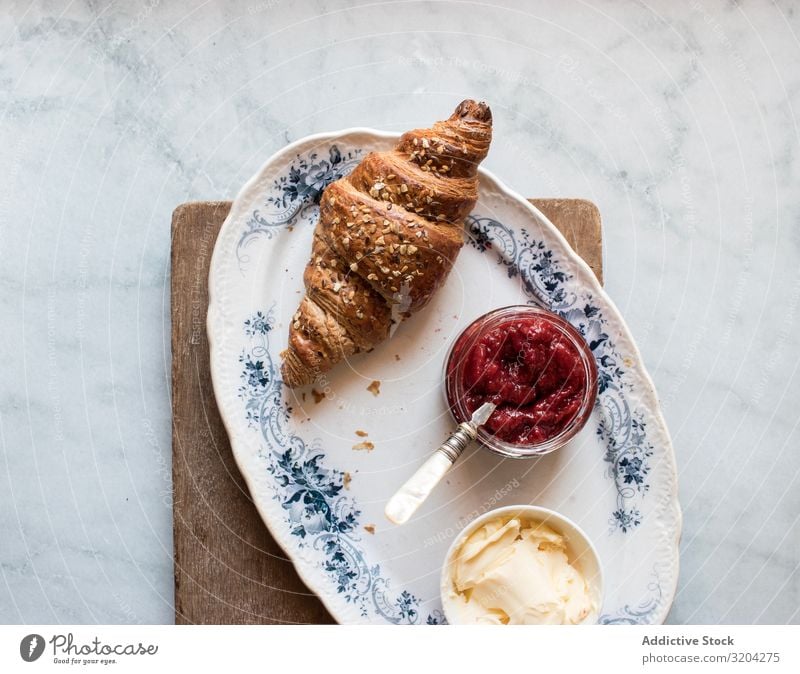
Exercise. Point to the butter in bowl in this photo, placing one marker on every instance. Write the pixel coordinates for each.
(522, 565)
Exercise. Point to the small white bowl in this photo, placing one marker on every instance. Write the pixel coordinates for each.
(580, 551)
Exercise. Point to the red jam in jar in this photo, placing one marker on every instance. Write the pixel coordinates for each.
(533, 365)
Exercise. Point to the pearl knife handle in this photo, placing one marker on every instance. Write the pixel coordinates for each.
(413, 493)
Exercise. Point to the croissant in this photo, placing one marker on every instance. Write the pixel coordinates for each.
(387, 237)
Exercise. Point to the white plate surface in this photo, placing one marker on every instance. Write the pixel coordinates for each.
(322, 500)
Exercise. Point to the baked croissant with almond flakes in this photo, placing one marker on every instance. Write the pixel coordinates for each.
(387, 237)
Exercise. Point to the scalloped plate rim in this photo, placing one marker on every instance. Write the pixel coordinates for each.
(216, 330)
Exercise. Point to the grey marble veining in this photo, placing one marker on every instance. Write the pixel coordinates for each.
(680, 122)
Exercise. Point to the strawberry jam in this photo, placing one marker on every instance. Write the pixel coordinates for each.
(533, 365)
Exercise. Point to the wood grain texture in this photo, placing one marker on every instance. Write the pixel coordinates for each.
(579, 221)
(228, 569)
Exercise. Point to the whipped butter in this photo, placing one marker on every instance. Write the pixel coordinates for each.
(513, 571)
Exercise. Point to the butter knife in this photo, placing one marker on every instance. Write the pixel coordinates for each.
(418, 487)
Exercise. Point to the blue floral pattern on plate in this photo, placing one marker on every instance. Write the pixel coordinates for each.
(621, 428)
(318, 512)
(296, 192)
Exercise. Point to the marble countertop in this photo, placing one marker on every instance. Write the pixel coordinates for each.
(681, 123)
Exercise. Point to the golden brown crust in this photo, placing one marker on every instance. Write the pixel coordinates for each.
(344, 294)
(403, 183)
(387, 237)
(384, 244)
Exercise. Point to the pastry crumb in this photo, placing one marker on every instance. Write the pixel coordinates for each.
(304, 396)
(346, 480)
(374, 388)
(365, 445)
(361, 434)
(318, 397)
(397, 356)
(369, 528)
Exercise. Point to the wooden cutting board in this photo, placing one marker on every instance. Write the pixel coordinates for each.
(228, 569)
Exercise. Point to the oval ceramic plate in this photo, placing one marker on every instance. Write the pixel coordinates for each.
(320, 484)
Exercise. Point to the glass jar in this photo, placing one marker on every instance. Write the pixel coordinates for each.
(513, 317)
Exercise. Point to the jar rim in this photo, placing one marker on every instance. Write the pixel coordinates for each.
(492, 319)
